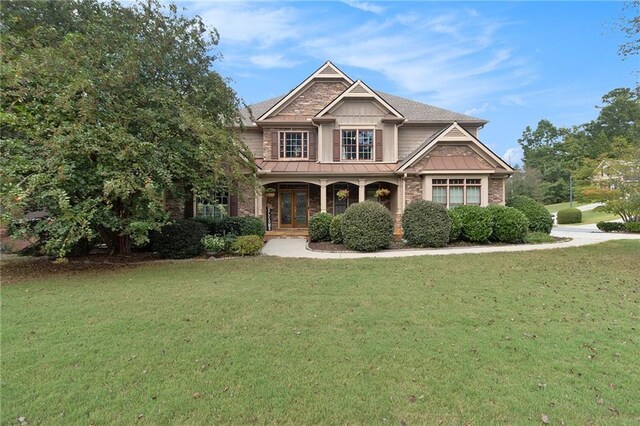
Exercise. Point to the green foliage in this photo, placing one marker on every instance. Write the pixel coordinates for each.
(247, 245)
(632, 227)
(456, 224)
(179, 240)
(213, 244)
(319, 227)
(623, 201)
(367, 226)
(538, 238)
(105, 107)
(476, 223)
(540, 219)
(526, 182)
(509, 225)
(234, 225)
(250, 225)
(335, 230)
(610, 226)
(426, 224)
(570, 215)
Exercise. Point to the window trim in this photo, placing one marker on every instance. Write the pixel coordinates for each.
(467, 182)
(282, 145)
(213, 201)
(358, 129)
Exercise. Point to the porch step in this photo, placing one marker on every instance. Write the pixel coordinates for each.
(296, 233)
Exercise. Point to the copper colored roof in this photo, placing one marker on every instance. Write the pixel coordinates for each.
(455, 162)
(311, 167)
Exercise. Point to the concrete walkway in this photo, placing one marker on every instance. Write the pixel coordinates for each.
(581, 235)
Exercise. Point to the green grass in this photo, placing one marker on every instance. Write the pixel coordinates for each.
(492, 338)
(592, 216)
(538, 238)
(553, 208)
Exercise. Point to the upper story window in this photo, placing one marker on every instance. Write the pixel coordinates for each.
(294, 144)
(357, 144)
(456, 192)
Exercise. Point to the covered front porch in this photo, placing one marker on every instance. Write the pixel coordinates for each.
(289, 203)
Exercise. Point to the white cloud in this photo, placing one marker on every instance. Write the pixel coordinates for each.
(478, 110)
(513, 156)
(272, 61)
(365, 6)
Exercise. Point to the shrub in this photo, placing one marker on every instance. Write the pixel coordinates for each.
(179, 240)
(540, 219)
(247, 245)
(335, 230)
(610, 226)
(632, 227)
(569, 216)
(476, 222)
(426, 224)
(509, 225)
(538, 238)
(234, 225)
(214, 244)
(456, 225)
(367, 226)
(319, 227)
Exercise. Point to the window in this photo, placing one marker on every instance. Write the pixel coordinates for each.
(357, 144)
(294, 144)
(455, 192)
(340, 204)
(217, 207)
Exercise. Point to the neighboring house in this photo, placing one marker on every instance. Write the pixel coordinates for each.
(331, 136)
(611, 173)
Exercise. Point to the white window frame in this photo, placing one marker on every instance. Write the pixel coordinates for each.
(214, 206)
(357, 130)
(282, 147)
(466, 183)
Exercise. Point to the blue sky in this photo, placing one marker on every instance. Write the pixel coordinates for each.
(510, 63)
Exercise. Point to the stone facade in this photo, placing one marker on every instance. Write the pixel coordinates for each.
(314, 99)
(496, 187)
(413, 187)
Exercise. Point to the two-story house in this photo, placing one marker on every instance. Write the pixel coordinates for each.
(332, 142)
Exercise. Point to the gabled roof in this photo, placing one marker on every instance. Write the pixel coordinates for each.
(326, 71)
(454, 132)
(359, 90)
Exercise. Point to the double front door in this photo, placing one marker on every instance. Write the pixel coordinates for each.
(294, 207)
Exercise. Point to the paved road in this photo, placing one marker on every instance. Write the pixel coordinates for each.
(580, 235)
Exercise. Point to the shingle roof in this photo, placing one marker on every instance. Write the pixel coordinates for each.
(411, 110)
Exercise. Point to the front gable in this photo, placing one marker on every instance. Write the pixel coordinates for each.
(360, 91)
(453, 150)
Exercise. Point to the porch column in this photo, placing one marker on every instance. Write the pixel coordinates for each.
(258, 207)
(323, 195)
(361, 194)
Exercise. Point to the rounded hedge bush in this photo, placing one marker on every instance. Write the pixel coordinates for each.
(319, 225)
(367, 226)
(234, 225)
(179, 240)
(247, 245)
(610, 226)
(476, 223)
(509, 225)
(426, 224)
(335, 230)
(570, 215)
(633, 227)
(456, 224)
(540, 219)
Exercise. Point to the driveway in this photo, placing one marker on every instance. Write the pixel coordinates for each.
(581, 235)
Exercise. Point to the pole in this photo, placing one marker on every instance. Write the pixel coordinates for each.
(571, 191)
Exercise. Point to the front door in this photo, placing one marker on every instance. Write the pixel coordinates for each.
(294, 206)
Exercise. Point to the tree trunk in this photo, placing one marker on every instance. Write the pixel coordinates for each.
(123, 245)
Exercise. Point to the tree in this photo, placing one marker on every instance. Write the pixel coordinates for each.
(105, 110)
(630, 25)
(526, 182)
(621, 194)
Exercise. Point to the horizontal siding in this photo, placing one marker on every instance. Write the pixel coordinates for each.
(253, 140)
(409, 138)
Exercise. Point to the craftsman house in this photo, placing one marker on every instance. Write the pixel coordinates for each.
(333, 141)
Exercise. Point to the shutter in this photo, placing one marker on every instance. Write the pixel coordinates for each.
(336, 145)
(233, 205)
(188, 205)
(378, 145)
(274, 145)
(313, 145)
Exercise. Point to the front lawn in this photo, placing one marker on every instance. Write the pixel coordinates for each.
(492, 338)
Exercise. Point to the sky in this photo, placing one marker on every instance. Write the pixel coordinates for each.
(511, 63)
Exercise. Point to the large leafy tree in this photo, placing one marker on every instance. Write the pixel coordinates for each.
(106, 110)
